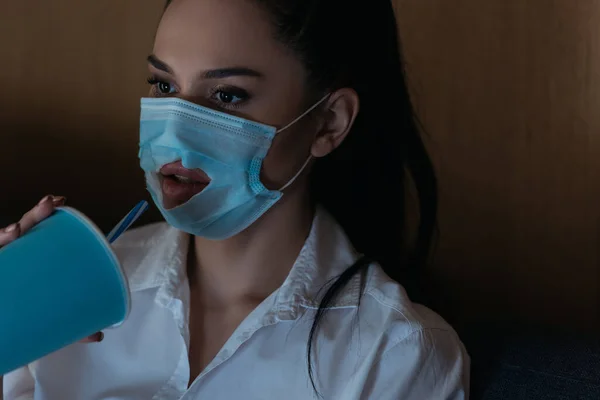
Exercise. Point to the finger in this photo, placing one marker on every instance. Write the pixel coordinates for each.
(43, 210)
(59, 201)
(9, 234)
(95, 338)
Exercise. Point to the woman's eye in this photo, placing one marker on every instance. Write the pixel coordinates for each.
(164, 87)
(228, 97)
(161, 88)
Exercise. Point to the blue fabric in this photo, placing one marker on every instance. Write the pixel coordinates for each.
(535, 365)
(230, 150)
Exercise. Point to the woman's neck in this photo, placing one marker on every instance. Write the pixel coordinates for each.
(254, 263)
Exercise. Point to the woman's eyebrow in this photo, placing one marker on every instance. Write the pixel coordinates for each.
(158, 64)
(219, 73)
(222, 73)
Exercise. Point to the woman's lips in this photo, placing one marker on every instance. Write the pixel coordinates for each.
(179, 184)
(177, 168)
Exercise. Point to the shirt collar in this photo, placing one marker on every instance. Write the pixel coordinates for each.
(326, 254)
(155, 257)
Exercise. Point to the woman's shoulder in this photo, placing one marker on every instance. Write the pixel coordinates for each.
(386, 305)
(392, 299)
(417, 350)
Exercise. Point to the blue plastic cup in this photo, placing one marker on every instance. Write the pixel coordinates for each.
(59, 283)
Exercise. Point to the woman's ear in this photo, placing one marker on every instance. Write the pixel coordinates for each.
(342, 109)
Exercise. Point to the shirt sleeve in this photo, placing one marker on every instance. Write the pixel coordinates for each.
(429, 364)
(19, 385)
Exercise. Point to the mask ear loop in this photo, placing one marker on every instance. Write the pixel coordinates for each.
(297, 174)
(317, 104)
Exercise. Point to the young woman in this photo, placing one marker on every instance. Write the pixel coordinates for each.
(275, 142)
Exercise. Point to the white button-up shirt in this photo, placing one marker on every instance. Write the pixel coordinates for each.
(373, 343)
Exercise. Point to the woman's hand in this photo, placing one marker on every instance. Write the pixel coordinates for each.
(43, 210)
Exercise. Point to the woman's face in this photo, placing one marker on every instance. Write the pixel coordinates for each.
(223, 54)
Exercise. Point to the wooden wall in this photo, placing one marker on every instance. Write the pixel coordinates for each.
(509, 92)
(72, 73)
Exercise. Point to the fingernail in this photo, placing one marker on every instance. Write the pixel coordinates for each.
(59, 200)
(11, 228)
(45, 200)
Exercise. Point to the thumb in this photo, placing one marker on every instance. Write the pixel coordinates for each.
(95, 338)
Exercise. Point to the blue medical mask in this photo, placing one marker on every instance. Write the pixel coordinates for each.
(229, 149)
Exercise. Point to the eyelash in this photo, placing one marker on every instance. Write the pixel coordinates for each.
(228, 90)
